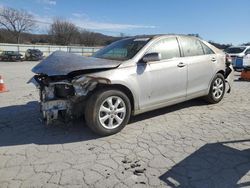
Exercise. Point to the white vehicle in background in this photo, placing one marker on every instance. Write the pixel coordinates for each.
(240, 56)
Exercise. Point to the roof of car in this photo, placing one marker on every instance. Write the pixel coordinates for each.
(157, 36)
(174, 35)
(162, 35)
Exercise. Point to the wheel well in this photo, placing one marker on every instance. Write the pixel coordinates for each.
(222, 72)
(121, 88)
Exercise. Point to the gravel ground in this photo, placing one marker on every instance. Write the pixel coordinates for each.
(191, 144)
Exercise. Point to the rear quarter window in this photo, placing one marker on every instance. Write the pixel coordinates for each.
(206, 49)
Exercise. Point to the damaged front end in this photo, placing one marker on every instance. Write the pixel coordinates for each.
(64, 82)
(63, 97)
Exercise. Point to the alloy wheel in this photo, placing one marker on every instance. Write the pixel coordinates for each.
(218, 88)
(112, 112)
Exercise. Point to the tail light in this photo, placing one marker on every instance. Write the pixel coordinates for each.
(228, 70)
(228, 60)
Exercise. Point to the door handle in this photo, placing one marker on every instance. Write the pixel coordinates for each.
(213, 59)
(181, 65)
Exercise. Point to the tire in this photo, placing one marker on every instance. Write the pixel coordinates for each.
(217, 89)
(101, 112)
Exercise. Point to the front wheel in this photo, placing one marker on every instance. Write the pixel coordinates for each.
(107, 111)
(217, 89)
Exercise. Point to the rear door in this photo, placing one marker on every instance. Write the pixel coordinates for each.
(200, 60)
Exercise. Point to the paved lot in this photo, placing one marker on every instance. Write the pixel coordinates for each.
(187, 145)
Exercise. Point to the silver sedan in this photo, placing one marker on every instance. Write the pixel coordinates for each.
(129, 77)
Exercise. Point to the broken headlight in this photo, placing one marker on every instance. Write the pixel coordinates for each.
(64, 90)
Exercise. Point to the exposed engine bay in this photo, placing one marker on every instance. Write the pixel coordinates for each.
(64, 97)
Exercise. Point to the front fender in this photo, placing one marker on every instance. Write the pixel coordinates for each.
(131, 89)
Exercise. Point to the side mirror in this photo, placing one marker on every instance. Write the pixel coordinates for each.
(151, 57)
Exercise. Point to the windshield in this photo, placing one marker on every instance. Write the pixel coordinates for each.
(122, 50)
(235, 50)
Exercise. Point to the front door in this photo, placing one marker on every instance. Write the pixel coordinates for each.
(167, 77)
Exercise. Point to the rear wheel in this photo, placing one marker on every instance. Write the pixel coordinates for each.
(107, 111)
(217, 89)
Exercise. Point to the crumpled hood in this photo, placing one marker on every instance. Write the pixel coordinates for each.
(62, 63)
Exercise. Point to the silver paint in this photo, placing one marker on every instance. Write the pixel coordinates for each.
(153, 84)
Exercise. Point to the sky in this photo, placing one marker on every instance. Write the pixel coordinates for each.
(224, 21)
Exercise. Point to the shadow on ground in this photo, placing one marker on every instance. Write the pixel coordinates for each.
(241, 80)
(213, 165)
(21, 124)
(176, 107)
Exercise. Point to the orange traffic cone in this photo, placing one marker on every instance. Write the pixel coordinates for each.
(245, 75)
(2, 85)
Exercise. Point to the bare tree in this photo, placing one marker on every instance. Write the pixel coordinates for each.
(63, 32)
(16, 21)
(88, 38)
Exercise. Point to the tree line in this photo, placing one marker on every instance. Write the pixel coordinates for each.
(16, 26)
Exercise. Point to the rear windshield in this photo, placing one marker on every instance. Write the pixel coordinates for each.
(235, 50)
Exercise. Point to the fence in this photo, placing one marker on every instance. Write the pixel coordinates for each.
(48, 49)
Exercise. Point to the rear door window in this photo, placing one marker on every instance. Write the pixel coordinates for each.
(191, 47)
